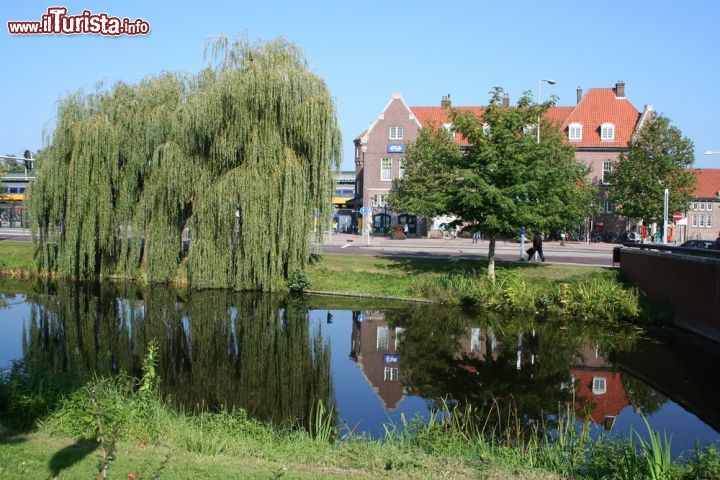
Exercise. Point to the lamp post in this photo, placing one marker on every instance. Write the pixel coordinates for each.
(549, 82)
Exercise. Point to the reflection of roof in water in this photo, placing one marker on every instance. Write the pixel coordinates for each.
(607, 404)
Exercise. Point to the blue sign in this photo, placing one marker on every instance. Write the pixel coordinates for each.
(396, 148)
(363, 211)
(391, 358)
(361, 318)
(522, 231)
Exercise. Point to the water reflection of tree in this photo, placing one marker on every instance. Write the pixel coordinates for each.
(217, 349)
(523, 365)
(642, 397)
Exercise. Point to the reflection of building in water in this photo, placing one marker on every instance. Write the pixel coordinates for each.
(598, 389)
(374, 348)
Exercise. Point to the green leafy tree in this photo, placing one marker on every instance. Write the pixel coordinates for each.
(505, 180)
(659, 157)
(228, 153)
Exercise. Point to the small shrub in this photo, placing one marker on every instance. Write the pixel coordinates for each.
(298, 281)
(704, 465)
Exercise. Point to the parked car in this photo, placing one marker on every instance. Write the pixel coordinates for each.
(703, 244)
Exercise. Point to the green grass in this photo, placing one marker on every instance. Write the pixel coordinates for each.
(16, 255)
(399, 276)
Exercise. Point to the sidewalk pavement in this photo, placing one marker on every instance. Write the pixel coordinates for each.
(459, 243)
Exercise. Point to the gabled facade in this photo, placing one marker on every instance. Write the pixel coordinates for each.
(599, 126)
(703, 215)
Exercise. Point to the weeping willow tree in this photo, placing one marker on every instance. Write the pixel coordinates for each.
(237, 155)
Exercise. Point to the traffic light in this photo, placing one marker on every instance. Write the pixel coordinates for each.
(28, 159)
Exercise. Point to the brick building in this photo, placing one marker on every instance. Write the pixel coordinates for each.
(703, 215)
(599, 126)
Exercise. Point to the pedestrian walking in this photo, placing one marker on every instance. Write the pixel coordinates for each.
(475, 235)
(537, 247)
(562, 238)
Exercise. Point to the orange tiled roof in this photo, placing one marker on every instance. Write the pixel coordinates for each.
(608, 404)
(708, 182)
(559, 114)
(437, 116)
(598, 106)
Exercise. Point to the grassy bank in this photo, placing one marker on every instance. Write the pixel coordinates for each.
(16, 258)
(401, 276)
(133, 434)
(521, 288)
(591, 293)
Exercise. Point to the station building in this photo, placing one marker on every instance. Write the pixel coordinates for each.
(599, 126)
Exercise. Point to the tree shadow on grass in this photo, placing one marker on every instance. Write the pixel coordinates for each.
(428, 263)
(11, 438)
(70, 455)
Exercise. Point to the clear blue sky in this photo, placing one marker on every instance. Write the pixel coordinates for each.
(665, 51)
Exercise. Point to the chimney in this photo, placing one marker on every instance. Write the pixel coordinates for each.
(579, 94)
(620, 89)
(506, 100)
(445, 102)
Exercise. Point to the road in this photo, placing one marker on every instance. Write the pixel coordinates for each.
(597, 254)
(22, 234)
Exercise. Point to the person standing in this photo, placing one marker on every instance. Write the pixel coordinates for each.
(538, 246)
(717, 242)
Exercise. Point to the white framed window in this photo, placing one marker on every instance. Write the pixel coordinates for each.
(486, 129)
(702, 207)
(382, 338)
(401, 167)
(386, 169)
(606, 206)
(357, 152)
(391, 374)
(607, 132)
(709, 207)
(599, 385)
(475, 338)
(701, 221)
(396, 133)
(379, 200)
(575, 132)
(708, 221)
(694, 221)
(694, 206)
(607, 172)
(448, 127)
(399, 332)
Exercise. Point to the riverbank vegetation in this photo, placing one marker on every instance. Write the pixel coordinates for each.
(521, 288)
(122, 427)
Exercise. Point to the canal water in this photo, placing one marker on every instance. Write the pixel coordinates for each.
(377, 362)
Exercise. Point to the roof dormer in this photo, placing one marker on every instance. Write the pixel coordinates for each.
(607, 132)
(575, 132)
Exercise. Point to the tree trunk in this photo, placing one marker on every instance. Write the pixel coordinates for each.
(491, 258)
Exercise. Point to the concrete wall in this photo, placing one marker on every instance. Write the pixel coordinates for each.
(690, 284)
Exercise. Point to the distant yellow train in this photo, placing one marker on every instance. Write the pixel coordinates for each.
(342, 196)
(12, 193)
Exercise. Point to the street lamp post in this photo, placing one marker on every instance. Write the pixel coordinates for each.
(549, 82)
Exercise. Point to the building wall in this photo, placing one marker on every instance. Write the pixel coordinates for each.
(699, 207)
(688, 283)
(376, 148)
